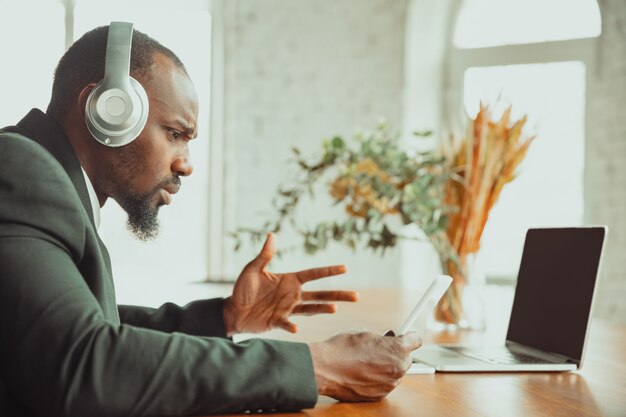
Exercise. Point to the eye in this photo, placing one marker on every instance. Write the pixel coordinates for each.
(173, 133)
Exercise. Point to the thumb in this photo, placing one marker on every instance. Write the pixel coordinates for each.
(411, 341)
(266, 254)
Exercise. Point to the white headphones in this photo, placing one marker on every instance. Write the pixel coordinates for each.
(117, 108)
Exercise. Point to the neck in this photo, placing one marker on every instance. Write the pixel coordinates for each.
(86, 150)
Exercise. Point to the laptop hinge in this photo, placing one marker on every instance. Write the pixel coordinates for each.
(555, 357)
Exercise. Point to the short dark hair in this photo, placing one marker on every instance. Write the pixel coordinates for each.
(83, 63)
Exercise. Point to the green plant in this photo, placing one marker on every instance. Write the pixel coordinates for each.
(375, 179)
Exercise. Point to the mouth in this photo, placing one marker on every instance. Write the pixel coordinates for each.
(168, 191)
(172, 188)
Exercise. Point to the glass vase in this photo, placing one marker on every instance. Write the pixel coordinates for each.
(462, 306)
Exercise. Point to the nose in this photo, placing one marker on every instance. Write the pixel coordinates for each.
(182, 165)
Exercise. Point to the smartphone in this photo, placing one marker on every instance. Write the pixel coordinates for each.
(431, 297)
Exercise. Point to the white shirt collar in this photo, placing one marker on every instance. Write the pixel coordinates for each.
(93, 198)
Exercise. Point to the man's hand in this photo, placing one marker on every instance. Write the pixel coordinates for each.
(262, 301)
(361, 366)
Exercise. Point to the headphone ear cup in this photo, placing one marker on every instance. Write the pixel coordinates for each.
(116, 116)
(116, 110)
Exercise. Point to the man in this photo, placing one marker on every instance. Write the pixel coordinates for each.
(67, 349)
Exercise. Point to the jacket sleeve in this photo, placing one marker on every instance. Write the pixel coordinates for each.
(200, 318)
(61, 356)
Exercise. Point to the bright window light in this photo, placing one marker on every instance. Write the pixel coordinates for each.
(484, 23)
(549, 188)
(31, 44)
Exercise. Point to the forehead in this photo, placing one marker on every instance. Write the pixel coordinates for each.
(171, 92)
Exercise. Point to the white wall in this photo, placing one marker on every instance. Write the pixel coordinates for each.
(297, 72)
(605, 159)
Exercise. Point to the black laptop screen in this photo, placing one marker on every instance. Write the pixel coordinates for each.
(555, 289)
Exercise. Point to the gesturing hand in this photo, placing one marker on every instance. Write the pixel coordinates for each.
(262, 300)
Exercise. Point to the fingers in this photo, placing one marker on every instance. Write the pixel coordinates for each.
(287, 325)
(330, 296)
(322, 308)
(317, 273)
(266, 255)
(411, 341)
(312, 309)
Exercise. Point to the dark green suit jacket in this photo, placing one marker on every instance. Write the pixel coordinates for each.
(67, 349)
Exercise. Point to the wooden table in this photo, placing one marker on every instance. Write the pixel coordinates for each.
(599, 389)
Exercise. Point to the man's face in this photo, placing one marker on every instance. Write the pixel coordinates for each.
(146, 173)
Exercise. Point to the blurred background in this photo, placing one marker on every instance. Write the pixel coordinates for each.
(273, 74)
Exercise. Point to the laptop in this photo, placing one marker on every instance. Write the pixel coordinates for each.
(551, 310)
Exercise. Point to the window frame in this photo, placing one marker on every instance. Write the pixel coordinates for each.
(459, 60)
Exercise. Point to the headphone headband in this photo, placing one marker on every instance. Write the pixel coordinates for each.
(117, 64)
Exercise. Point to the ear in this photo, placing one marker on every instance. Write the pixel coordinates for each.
(81, 100)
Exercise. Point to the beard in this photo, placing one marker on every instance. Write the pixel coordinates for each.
(143, 220)
(142, 216)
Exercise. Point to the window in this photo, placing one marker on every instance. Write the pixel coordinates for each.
(486, 23)
(549, 189)
(535, 57)
(184, 26)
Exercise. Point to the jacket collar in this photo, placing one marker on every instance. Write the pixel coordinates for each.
(44, 130)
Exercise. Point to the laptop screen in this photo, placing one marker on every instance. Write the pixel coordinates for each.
(555, 288)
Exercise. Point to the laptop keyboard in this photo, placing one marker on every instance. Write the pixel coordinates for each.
(503, 355)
